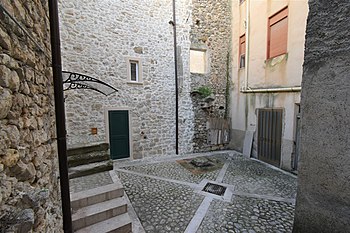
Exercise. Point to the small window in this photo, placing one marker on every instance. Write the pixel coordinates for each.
(198, 61)
(134, 67)
(242, 51)
(277, 34)
(134, 71)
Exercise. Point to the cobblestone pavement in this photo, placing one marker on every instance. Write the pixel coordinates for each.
(161, 206)
(248, 215)
(165, 199)
(89, 182)
(252, 177)
(166, 196)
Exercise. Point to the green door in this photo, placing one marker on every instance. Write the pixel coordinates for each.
(119, 134)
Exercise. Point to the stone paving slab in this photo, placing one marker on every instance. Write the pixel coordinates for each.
(89, 182)
(160, 205)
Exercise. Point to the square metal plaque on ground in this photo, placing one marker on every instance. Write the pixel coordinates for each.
(214, 189)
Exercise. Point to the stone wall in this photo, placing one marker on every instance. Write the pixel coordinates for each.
(210, 31)
(97, 38)
(323, 202)
(29, 191)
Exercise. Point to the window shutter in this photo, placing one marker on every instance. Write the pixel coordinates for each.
(278, 34)
(242, 45)
(278, 38)
(242, 51)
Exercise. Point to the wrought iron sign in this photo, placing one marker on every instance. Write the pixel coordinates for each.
(72, 80)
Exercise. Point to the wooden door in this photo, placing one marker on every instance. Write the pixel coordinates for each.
(119, 134)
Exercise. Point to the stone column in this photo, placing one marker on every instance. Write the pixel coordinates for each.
(323, 200)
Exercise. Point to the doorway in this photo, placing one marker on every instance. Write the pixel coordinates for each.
(270, 135)
(119, 136)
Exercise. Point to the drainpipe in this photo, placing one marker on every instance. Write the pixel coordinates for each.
(247, 47)
(272, 89)
(176, 84)
(60, 115)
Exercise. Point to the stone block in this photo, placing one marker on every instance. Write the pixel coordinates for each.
(24, 172)
(24, 88)
(138, 50)
(19, 10)
(13, 135)
(11, 158)
(25, 221)
(8, 61)
(5, 102)
(5, 41)
(36, 198)
(9, 78)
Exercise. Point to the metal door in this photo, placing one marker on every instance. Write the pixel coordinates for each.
(270, 135)
(119, 134)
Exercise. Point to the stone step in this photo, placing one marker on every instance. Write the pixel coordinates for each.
(87, 148)
(91, 168)
(96, 195)
(91, 157)
(99, 212)
(117, 224)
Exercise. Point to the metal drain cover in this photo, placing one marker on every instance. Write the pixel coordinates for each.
(214, 189)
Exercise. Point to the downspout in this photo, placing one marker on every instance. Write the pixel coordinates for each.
(176, 84)
(247, 39)
(246, 64)
(60, 115)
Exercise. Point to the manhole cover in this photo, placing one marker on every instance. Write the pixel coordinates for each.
(214, 189)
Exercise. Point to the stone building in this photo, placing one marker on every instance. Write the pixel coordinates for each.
(323, 202)
(267, 58)
(29, 191)
(129, 45)
(210, 68)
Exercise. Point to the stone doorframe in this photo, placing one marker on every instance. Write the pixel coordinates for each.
(106, 110)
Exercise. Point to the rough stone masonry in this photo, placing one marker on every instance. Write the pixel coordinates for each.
(97, 39)
(323, 202)
(210, 32)
(29, 191)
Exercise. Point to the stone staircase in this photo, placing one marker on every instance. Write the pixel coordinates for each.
(85, 160)
(100, 210)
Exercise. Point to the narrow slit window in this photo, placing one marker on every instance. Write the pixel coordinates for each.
(134, 71)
